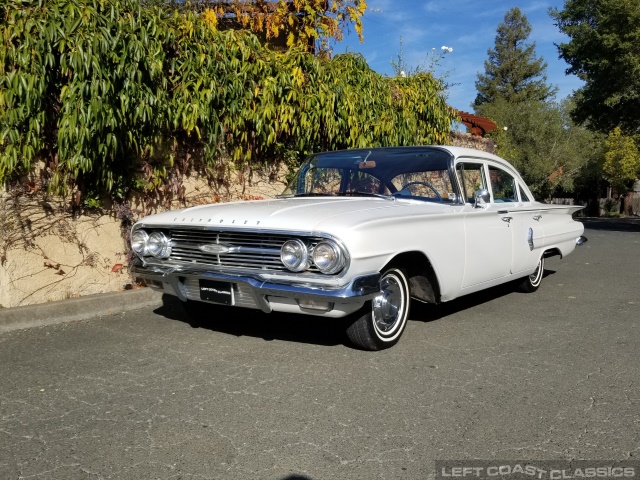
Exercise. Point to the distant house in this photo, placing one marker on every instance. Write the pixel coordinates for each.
(478, 126)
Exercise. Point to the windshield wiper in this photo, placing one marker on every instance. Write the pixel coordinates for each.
(357, 193)
(310, 194)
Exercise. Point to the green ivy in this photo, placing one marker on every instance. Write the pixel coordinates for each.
(114, 95)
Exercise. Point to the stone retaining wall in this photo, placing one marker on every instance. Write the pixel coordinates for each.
(49, 253)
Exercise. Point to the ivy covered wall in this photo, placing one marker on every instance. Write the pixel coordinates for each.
(120, 96)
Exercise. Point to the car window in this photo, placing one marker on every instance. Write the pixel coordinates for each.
(523, 196)
(503, 185)
(324, 180)
(471, 178)
(364, 183)
(430, 184)
(418, 173)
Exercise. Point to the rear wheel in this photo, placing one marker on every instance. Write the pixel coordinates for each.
(381, 322)
(532, 282)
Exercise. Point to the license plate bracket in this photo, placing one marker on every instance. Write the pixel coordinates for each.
(216, 291)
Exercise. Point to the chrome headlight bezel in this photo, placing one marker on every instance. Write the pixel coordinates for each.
(159, 245)
(328, 248)
(300, 252)
(142, 242)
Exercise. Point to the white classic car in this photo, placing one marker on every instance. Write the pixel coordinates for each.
(358, 234)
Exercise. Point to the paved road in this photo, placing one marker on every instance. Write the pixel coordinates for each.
(498, 375)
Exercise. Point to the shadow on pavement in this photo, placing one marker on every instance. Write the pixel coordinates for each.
(255, 323)
(429, 313)
(306, 328)
(626, 224)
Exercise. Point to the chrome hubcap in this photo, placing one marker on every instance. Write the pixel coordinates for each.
(388, 306)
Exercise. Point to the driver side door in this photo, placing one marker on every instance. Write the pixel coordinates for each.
(488, 245)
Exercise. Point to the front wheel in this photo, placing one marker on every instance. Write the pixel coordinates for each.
(381, 322)
(532, 282)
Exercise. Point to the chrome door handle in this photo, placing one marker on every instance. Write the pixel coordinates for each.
(507, 219)
(537, 217)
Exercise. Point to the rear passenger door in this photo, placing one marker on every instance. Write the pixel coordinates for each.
(517, 210)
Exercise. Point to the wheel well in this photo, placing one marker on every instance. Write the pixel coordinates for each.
(423, 281)
(552, 252)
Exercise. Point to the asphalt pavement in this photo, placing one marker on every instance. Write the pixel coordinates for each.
(149, 393)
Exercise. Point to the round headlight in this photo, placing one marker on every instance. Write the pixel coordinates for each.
(159, 245)
(139, 242)
(294, 255)
(328, 257)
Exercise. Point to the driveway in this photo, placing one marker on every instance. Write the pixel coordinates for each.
(496, 375)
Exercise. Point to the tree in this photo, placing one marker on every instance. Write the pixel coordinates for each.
(543, 143)
(534, 132)
(603, 51)
(301, 21)
(621, 160)
(513, 72)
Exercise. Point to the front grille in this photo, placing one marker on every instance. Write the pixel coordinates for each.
(250, 250)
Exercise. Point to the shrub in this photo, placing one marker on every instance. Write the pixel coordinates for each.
(115, 95)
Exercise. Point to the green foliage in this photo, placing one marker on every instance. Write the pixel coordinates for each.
(113, 95)
(621, 160)
(603, 51)
(78, 88)
(550, 151)
(299, 23)
(535, 133)
(512, 72)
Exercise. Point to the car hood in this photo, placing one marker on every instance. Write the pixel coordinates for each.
(325, 214)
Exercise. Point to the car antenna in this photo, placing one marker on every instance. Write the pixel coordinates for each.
(365, 158)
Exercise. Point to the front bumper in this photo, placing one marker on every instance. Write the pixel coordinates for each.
(266, 296)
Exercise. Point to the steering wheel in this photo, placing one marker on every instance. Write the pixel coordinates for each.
(426, 185)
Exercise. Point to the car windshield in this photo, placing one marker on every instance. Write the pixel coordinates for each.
(410, 172)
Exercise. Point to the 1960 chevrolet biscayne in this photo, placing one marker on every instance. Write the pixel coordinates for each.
(358, 234)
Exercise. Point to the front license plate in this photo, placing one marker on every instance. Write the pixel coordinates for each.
(214, 291)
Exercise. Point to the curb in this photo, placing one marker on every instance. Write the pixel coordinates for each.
(83, 308)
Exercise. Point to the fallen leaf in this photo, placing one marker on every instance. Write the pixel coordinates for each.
(116, 268)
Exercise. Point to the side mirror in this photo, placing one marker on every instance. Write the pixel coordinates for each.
(482, 197)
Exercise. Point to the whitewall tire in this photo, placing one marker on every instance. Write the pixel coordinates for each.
(532, 282)
(382, 321)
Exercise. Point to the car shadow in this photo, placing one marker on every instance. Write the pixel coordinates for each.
(309, 329)
(427, 313)
(255, 323)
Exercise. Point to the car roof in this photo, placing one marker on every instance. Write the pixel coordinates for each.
(472, 152)
(453, 151)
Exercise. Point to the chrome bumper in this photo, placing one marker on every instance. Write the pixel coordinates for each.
(359, 290)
